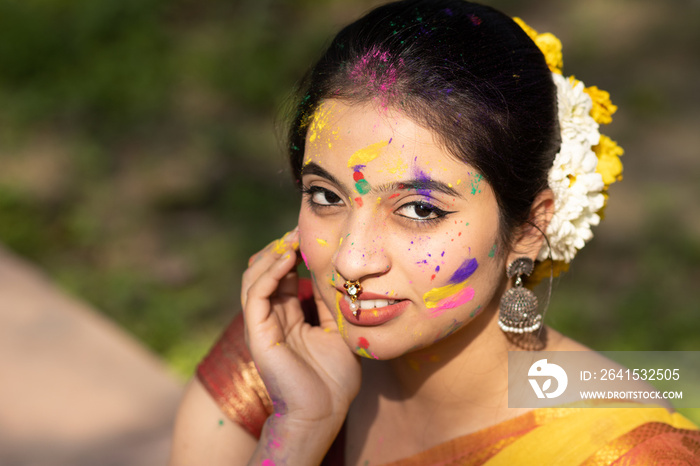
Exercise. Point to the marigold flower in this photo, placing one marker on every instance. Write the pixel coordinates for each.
(603, 108)
(609, 164)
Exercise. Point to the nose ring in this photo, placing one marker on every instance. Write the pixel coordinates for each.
(353, 289)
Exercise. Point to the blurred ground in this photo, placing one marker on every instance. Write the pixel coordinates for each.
(75, 390)
(140, 164)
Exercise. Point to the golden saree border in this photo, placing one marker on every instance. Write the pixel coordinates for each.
(476, 448)
(575, 438)
(229, 375)
(650, 443)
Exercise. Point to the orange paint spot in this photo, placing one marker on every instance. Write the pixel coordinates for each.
(362, 342)
(359, 201)
(432, 278)
(397, 195)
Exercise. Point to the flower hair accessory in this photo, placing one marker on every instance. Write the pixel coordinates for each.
(585, 166)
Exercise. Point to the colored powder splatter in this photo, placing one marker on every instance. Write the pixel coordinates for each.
(476, 311)
(319, 120)
(437, 269)
(279, 246)
(359, 201)
(394, 195)
(303, 257)
(464, 271)
(492, 253)
(221, 422)
(449, 330)
(362, 187)
(267, 462)
(422, 177)
(322, 242)
(447, 297)
(376, 70)
(476, 179)
(361, 349)
(367, 154)
(339, 316)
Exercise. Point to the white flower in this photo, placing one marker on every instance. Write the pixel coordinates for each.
(573, 179)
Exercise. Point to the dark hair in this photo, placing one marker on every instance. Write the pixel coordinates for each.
(465, 71)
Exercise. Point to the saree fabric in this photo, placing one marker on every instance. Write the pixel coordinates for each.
(618, 434)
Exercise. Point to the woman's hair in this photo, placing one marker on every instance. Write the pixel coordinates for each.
(466, 72)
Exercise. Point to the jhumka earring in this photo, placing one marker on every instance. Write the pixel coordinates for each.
(354, 289)
(518, 313)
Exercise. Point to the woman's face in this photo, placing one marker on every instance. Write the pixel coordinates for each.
(385, 204)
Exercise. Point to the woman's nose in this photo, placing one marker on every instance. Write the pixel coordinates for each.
(362, 251)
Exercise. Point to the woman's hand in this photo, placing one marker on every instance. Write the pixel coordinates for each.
(311, 375)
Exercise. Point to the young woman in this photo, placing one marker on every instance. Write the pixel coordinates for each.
(435, 145)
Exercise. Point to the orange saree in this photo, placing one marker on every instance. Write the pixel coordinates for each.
(616, 435)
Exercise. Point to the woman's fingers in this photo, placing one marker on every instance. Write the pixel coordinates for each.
(258, 296)
(262, 260)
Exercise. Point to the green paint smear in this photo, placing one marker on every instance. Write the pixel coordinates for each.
(492, 253)
(362, 186)
(475, 311)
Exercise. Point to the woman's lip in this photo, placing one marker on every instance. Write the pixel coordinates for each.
(371, 317)
(367, 295)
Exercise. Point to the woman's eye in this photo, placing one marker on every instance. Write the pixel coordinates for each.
(324, 197)
(421, 211)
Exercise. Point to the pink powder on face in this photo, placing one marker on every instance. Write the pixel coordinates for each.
(303, 257)
(463, 296)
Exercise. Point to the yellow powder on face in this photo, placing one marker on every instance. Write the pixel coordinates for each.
(433, 297)
(367, 154)
(339, 316)
(458, 182)
(319, 120)
(396, 167)
(322, 242)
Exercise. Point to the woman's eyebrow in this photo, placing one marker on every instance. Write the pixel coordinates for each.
(312, 168)
(420, 185)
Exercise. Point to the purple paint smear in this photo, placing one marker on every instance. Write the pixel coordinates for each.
(464, 271)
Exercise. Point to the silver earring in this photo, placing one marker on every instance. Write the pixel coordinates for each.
(518, 313)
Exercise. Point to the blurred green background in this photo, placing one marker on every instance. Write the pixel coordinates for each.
(140, 163)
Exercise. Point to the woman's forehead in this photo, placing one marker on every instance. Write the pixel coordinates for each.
(362, 134)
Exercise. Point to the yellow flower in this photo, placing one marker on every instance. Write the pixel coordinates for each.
(609, 164)
(603, 108)
(549, 45)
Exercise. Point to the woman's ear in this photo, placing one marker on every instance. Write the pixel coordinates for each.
(529, 238)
